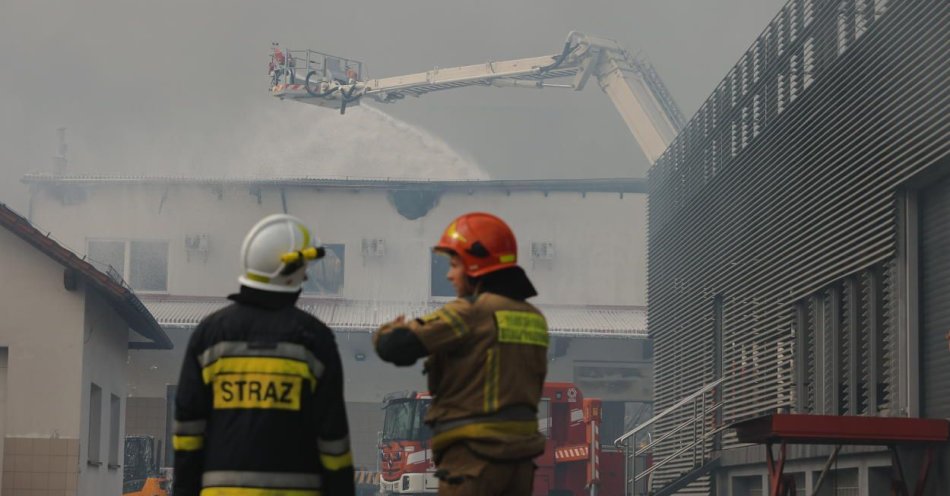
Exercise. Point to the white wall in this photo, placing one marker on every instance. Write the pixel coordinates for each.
(106, 346)
(600, 239)
(42, 326)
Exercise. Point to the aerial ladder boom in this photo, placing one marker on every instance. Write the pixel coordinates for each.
(632, 84)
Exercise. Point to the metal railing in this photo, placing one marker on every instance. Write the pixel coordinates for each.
(705, 422)
(293, 66)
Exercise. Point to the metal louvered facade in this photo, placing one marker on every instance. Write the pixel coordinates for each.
(783, 198)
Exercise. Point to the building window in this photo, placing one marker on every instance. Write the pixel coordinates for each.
(142, 263)
(440, 286)
(148, 265)
(95, 425)
(115, 410)
(325, 276)
(104, 254)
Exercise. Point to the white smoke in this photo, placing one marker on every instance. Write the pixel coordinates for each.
(294, 140)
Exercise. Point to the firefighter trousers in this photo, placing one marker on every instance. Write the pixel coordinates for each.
(463, 473)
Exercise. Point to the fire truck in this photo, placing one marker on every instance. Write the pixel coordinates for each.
(573, 463)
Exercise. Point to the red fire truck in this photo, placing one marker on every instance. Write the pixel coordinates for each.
(573, 463)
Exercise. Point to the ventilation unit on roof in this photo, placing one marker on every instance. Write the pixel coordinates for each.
(542, 250)
(374, 247)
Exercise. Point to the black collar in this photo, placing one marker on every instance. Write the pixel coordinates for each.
(271, 300)
(511, 283)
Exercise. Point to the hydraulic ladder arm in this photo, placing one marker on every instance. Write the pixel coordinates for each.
(632, 84)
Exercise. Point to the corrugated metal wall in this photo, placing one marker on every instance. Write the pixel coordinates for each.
(779, 195)
(935, 297)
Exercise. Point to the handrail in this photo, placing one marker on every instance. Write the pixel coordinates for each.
(688, 422)
(636, 430)
(678, 452)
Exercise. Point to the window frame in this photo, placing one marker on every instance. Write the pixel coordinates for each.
(125, 272)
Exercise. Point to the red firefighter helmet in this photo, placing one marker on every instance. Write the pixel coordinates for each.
(483, 242)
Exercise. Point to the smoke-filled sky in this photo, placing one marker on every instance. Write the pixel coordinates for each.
(180, 86)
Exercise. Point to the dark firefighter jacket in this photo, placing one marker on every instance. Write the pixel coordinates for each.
(259, 409)
(486, 367)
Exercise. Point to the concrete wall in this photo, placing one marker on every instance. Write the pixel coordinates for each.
(599, 238)
(57, 342)
(42, 327)
(42, 331)
(105, 335)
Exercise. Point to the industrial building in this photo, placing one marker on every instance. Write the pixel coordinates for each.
(798, 250)
(177, 241)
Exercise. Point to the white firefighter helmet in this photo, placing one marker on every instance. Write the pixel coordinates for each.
(275, 253)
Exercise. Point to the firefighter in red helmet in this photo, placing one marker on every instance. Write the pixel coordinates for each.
(486, 365)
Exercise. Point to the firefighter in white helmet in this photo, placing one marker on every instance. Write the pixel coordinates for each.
(259, 409)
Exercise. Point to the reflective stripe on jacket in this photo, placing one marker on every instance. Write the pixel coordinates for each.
(259, 409)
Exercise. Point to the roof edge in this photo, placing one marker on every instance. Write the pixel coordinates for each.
(122, 299)
(605, 185)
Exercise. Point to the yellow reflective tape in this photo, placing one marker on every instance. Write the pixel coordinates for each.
(492, 377)
(306, 235)
(265, 391)
(509, 258)
(188, 443)
(336, 462)
(453, 319)
(257, 277)
(430, 317)
(254, 491)
(454, 234)
(521, 328)
(485, 430)
(258, 365)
